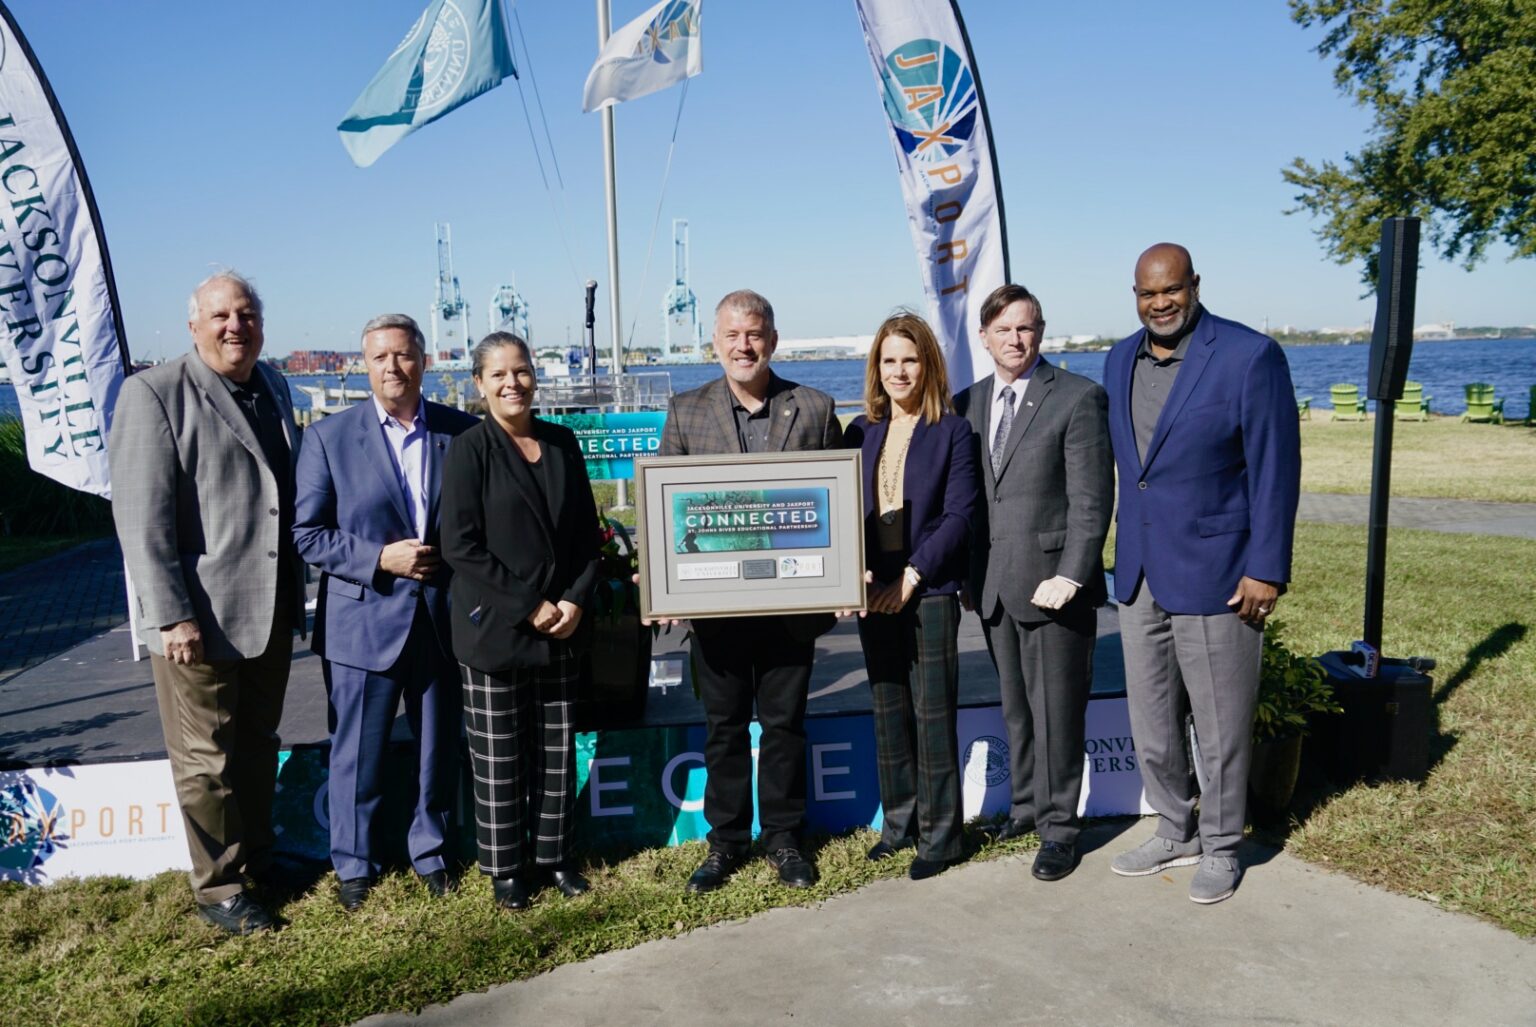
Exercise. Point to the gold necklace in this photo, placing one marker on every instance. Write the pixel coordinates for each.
(891, 473)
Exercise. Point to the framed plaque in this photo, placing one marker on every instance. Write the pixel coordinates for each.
(757, 534)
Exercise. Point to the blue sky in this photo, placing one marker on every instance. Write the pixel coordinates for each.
(208, 130)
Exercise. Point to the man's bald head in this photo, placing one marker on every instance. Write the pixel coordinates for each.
(1168, 254)
(1167, 290)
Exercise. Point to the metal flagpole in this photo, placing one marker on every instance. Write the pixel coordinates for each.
(610, 181)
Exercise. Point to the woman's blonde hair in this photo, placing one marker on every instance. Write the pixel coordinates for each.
(934, 379)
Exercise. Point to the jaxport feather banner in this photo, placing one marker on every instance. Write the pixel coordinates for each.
(932, 97)
(62, 333)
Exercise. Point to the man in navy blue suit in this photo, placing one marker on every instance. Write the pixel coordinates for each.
(368, 481)
(1203, 422)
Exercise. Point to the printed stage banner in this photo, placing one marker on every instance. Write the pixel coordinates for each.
(63, 341)
(931, 92)
(636, 787)
(611, 443)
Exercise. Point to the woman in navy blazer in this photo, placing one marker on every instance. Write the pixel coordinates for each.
(920, 494)
(519, 529)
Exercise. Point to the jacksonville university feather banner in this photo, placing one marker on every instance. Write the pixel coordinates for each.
(932, 97)
(62, 335)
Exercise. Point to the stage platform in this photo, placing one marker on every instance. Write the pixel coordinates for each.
(94, 704)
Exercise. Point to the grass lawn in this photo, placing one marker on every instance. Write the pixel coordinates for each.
(1440, 458)
(107, 951)
(17, 550)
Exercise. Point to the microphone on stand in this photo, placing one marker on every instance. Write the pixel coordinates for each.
(591, 326)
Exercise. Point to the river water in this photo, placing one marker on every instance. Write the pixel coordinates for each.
(1444, 368)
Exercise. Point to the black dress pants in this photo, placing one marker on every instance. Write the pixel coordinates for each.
(741, 662)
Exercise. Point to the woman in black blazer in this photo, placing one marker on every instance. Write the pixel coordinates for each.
(920, 494)
(519, 529)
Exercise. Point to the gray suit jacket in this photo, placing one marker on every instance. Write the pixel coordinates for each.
(196, 507)
(1047, 510)
(700, 421)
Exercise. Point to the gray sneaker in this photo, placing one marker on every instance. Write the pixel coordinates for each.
(1156, 854)
(1215, 880)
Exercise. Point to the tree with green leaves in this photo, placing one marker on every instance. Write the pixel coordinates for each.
(1452, 84)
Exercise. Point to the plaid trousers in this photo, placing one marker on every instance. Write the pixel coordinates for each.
(520, 729)
(914, 675)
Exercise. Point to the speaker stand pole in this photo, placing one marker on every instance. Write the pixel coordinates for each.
(1376, 532)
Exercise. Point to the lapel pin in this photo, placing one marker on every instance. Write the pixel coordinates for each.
(1029, 402)
(786, 411)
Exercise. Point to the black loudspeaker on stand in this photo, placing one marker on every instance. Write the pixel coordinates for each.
(1388, 704)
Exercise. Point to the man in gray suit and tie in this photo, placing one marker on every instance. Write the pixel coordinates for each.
(202, 455)
(1037, 566)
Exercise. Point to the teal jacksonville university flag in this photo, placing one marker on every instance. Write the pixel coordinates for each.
(456, 50)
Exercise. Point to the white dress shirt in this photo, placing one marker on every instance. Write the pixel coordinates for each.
(408, 448)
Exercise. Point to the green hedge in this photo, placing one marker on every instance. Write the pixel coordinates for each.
(33, 504)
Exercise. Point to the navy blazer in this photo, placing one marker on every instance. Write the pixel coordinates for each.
(940, 489)
(1215, 499)
(349, 506)
(511, 544)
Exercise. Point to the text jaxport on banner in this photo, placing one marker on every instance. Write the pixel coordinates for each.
(751, 520)
(932, 99)
(61, 335)
(457, 50)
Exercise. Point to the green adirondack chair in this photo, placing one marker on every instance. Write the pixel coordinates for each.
(1414, 406)
(1530, 411)
(1348, 404)
(1303, 407)
(1482, 406)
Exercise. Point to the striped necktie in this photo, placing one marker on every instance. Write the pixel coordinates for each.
(1004, 426)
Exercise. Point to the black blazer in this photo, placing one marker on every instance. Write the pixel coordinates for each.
(940, 493)
(510, 548)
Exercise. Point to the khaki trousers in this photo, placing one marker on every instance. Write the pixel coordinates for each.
(220, 721)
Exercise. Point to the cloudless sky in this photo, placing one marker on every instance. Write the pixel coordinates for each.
(208, 132)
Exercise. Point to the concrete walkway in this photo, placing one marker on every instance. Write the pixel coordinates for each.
(1457, 516)
(987, 944)
(58, 602)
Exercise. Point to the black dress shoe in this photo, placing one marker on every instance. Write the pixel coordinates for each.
(510, 892)
(1054, 861)
(570, 882)
(922, 869)
(437, 882)
(1014, 829)
(352, 893)
(885, 850)
(795, 871)
(713, 872)
(238, 914)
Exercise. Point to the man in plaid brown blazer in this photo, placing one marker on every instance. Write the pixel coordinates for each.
(739, 661)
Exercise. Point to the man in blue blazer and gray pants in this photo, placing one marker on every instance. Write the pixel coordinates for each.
(368, 481)
(1203, 422)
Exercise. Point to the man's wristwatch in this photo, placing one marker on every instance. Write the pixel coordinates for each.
(913, 578)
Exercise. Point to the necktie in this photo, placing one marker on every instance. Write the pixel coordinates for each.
(1004, 426)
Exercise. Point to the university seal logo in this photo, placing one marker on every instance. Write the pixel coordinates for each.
(930, 96)
(445, 61)
(31, 819)
(986, 761)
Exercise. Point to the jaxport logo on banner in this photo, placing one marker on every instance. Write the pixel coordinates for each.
(666, 37)
(31, 828)
(931, 98)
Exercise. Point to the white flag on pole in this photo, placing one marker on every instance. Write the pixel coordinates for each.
(61, 328)
(660, 48)
(932, 97)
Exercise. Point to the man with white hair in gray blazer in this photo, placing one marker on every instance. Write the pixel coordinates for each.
(202, 453)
